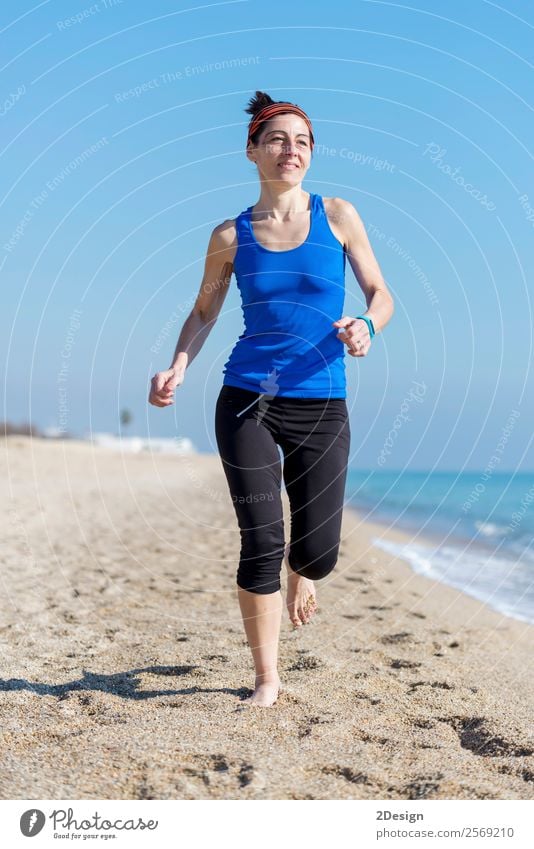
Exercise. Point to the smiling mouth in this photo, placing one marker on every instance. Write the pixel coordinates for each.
(288, 166)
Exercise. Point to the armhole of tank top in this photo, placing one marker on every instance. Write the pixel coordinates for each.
(341, 245)
(240, 223)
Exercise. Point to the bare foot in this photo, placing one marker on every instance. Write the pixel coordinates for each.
(301, 600)
(265, 691)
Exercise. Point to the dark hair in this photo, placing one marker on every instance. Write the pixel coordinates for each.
(255, 105)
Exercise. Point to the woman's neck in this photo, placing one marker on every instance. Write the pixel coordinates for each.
(281, 204)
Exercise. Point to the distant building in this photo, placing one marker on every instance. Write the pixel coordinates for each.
(54, 433)
(136, 444)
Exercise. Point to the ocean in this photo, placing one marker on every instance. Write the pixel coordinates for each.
(474, 531)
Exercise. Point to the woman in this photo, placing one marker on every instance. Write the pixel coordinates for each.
(284, 382)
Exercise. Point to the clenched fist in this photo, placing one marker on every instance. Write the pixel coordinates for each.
(355, 334)
(163, 385)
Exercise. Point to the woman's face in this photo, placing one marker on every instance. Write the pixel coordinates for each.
(283, 152)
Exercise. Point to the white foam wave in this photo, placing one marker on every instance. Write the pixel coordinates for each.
(505, 584)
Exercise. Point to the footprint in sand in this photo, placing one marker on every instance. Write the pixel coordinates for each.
(305, 663)
(245, 775)
(525, 774)
(401, 637)
(144, 790)
(306, 726)
(423, 723)
(400, 663)
(217, 769)
(476, 735)
(422, 787)
(437, 685)
(346, 772)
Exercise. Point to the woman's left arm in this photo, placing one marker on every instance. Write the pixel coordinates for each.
(367, 272)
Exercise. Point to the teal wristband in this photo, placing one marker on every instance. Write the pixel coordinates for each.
(369, 323)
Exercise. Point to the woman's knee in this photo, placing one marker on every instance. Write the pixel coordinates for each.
(262, 551)
(260, 575)
(313, 560)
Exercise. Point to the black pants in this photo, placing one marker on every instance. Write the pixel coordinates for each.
(314, 435)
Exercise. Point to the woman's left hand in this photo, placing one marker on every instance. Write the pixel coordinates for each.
(355, 334)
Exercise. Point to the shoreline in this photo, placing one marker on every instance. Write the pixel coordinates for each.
(125, 659)
(431, 542)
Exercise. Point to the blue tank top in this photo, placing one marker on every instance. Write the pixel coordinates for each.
(289, 301)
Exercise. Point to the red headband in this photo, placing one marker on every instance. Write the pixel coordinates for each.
(276, 109)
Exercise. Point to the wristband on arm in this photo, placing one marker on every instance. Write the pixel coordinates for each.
(369, 323)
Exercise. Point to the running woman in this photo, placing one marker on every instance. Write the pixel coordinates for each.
(284, 383)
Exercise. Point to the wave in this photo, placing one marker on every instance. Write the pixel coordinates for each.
(504, 584)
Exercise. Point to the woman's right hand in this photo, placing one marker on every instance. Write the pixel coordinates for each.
(163, 385)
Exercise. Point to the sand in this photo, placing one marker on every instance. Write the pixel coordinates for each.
(124, 657)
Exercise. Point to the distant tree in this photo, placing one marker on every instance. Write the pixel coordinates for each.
(24, 429)
(126, 418)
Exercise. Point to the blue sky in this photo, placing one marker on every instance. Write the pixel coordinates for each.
(122, 146)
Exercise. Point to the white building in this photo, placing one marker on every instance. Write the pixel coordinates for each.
(135, 444)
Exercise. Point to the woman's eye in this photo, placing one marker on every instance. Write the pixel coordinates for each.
(280, 138)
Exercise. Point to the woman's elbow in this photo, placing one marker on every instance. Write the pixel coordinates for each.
(206, 315)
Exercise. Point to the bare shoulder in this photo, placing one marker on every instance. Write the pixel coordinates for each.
(223, 240)
(343, 218)
(340, 208)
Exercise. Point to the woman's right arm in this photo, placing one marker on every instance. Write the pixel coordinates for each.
(218, 269)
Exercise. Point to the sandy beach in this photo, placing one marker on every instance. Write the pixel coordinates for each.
(124, 657)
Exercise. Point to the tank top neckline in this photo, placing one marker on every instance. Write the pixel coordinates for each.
(289, 250)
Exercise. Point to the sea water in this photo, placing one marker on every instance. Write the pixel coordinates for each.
(471, 530)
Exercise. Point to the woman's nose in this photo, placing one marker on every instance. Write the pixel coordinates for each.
(291, 146)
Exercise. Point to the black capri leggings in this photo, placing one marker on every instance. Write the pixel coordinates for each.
(314, 435)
